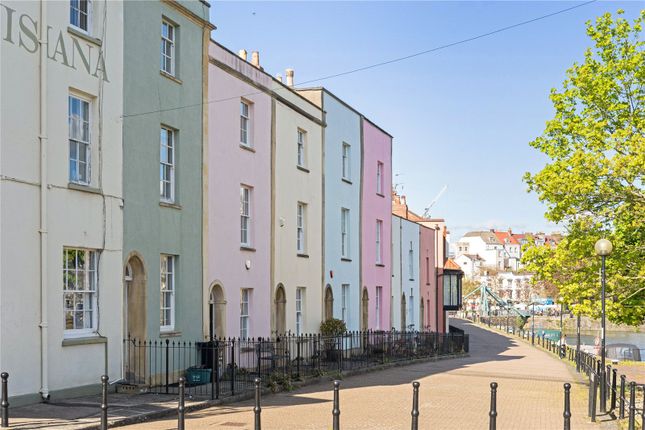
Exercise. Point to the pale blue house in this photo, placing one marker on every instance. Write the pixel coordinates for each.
(405, 274)
(341, 291)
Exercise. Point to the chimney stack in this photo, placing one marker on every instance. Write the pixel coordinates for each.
(289, 77)
(242, 54)
(255, 59)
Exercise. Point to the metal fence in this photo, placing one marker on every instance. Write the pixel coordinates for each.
(226, 367)
(625, 399)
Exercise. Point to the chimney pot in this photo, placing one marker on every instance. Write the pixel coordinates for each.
(279, 77)
(255, 59)
(289, 73)
(242, 54)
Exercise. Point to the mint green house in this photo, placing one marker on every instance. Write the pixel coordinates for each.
(165, 58)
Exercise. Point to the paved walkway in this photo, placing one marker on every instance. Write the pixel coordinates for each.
(454, 395)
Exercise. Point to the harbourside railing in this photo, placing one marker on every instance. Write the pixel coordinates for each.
(624, 399)
(227, 367)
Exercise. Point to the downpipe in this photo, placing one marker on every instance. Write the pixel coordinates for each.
(42, 136)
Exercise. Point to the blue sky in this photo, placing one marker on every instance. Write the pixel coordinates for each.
(460, 117)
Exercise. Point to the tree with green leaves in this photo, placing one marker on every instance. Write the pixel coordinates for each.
(593, 184)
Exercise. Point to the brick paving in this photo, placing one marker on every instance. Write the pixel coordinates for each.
(454, 394)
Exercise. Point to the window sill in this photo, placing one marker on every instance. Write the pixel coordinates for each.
(170, 205)
(247, 147)
(347, 181)
(345, 259)
(380, 194)
(247, 248)
(170, 333)
(304, 169)
(171, 77)
(380, 265)
(303, 255)
(84, 188)
(86, 340)
(86, 37)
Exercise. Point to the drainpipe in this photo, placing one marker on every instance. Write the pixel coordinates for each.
(42, 136)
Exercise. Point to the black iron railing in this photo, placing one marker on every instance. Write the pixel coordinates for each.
(626, 399)
(226, 367)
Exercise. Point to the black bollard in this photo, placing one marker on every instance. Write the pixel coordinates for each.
(632, 406)
(4, 403)
(493, 406)
(181, 408)
(104, 402)
(621, 400)
(594, 396)
(336, 411)
(567, 406)
(415, 405)
(257, 410)
(614, 373)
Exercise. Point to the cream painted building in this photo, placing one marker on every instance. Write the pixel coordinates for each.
(297, 177)
(61, 266)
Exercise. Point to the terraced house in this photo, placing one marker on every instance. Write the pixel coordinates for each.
(164, 138)
(237, 295)
(61, 187)
(297, 180)
(342, 204)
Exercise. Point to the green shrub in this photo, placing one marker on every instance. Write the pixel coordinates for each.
(333, 327)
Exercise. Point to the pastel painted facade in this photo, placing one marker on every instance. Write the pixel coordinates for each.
(342, 168)
(238, 233)
(297, 179)
(376, 225)
(427, 278)
(406, 301)
(61, 221)
(437, 315)
(163, 143)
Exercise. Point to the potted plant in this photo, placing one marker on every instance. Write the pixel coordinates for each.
(331, 330)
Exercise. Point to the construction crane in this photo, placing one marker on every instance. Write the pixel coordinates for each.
(426, 211)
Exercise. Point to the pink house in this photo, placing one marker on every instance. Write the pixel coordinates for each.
(376, 227)
(237, 266)
(428, 278)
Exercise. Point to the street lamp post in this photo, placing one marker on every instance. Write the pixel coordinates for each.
(561, 333)
(578, 344)
(603, 248)
(533, 324)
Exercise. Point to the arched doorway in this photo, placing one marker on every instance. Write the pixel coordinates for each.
(329, 303)
(421, 315)
(365, 310)
(280, 310)
(134, 318)
(134, 298)
(216, 312)
(404, 325)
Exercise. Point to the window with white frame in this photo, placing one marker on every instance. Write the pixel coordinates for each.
(79, 14)
(411, 261)
(300, 298)
(244, 313)
(379, 178)
(347, 150)
(167, 292)
(245, 123)
(302, 141)
(344, 232)
(301, 221)
(168, 32)
(245, 216)
(379, 295)
(79, 140)
(345, 302)
(80, 282)
(167, 165)
(379, 242)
